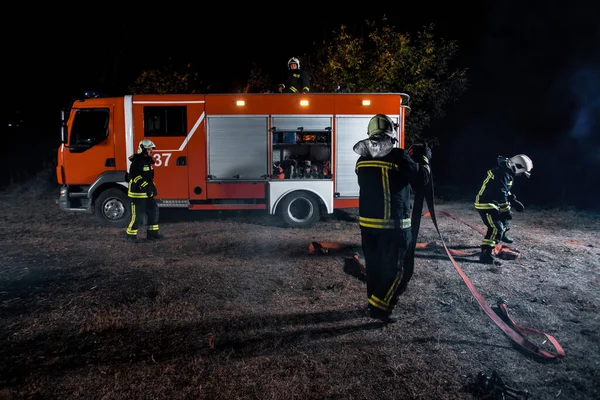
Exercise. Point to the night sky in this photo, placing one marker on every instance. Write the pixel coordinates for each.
(534, 71)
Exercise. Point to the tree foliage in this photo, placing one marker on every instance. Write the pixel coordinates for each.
(384, 60)
(167, 80)
(258, 81)
(379, 60)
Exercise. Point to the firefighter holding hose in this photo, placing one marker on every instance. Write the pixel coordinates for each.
(386, 174)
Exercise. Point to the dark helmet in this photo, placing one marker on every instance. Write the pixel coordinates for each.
(381, 123)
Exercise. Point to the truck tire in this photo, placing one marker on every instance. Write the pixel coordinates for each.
(112, 208)
(300, 210)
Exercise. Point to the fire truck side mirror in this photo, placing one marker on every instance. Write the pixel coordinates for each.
(64, 133)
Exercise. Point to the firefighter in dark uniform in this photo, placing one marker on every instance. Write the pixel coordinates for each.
(296, 79)
(386, 174)
(142, 192)
(494, 199)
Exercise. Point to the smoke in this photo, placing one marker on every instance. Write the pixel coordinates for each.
(585, 91)
(535, 90)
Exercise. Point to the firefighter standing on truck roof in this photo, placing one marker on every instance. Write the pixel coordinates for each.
(142, 192)
(493, 201)
(386, 174)
(296, 79)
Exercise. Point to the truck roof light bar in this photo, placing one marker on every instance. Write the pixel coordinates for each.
(90, 94)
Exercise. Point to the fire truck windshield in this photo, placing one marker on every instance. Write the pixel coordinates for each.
(89, 127)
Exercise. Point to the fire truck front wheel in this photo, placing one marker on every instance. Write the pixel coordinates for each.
(300, 210)
(112, 208)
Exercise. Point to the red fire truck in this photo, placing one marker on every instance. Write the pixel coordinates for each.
(287, 154)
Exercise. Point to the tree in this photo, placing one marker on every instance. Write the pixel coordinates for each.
(167, 81)
(258, 82)
(383, 60)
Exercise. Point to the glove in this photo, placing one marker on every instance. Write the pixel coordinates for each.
(418, 151)
(427, 152)
(518, 205)
(506, 215)
(151, 191)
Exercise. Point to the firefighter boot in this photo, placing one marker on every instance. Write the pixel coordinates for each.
(381, 315)
(131, 238)
(154, 235)
(486, 256)
(507, 239)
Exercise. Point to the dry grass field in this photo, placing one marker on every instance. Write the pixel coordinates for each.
(234, 306)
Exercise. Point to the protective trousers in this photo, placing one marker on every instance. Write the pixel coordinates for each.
(384, 251)
(495, 228)
(139, 209)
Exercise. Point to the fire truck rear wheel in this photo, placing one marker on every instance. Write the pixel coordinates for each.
(300, 210)
(112, 208)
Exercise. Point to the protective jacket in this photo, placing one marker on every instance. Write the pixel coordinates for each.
(385, 177)
(296, 81)
(494, 193)
(141, 177)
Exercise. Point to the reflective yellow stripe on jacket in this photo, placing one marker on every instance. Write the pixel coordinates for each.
(386, 222)
(485, 206)
(143, 185)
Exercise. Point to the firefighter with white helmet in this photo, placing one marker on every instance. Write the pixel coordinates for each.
(386, 174)
(494, 201)
(142, 192)
(296, 79)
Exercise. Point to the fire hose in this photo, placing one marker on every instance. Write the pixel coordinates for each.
(501, 318)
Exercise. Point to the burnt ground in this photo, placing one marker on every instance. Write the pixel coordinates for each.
(234, 306)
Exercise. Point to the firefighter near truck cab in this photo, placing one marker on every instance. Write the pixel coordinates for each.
(286, 154)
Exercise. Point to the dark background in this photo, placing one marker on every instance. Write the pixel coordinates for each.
(534, 71)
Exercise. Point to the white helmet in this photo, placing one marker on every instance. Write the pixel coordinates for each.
(520, 165)
(145, 144)
(294, 60)
(381, 123)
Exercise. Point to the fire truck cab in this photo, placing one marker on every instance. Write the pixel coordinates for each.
(286, 154)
